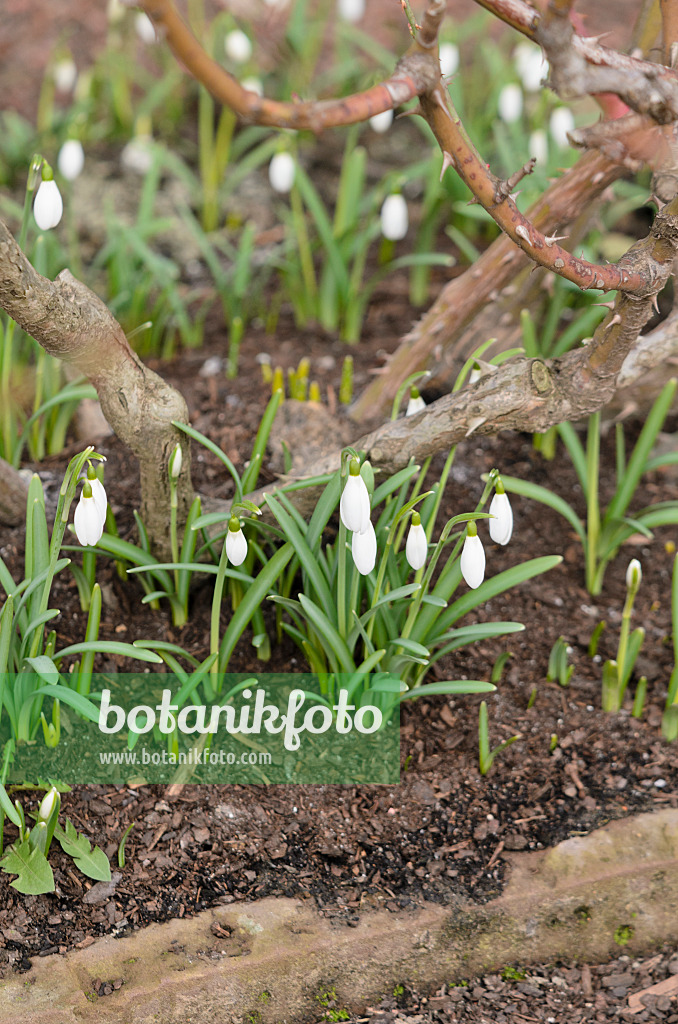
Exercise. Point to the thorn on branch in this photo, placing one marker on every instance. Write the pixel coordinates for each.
(505, 188)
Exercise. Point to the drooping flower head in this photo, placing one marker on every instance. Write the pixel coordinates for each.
(281, 172)
(510, 103)
(394, 217)
(472, 561)
(416, 402)
(364, 550)
(48, 205)
(71, 159)
(98, 491)
(88, 523)
(236, 544)
(416, 547)
(354, 507)
(501, 526)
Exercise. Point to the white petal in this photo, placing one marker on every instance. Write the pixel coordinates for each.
(281, 171)
(501, 527)
(145, 29)
(354, 507)
(99, 495)
(394, 218)
(510, 103)
(633, 573)
(351, 10)
(238, 47)
(381, 123)
(236, 547)
(48, 206)
(560, 124)
(364, 550)
(472, 562)
(449, 59)
(71, 159)
(253, 84)
(416, 548)
(87, 522)
(415, 405)
(65, 75)
(538, 146)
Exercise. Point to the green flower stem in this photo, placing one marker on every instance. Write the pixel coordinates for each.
(624, 636)
(341, 581)
(430, 526)
(593, 582)
(215, 616)
(415, 491)
(174, 540)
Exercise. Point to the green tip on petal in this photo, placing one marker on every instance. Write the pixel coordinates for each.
(87, 489)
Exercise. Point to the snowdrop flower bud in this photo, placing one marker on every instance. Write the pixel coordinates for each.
(449, 59)
(281, 171)
(137, 155)
(351, 10)
(47, 804)
(236, 545)
(175, 461)
(364, 550)
(144, 29)
(560, 124)
(48, 206)
(238, 47)
(354, 507)
(394, 219)
(381, 123)
(510, 103)
(88, 523)
(71, 159)
(416, 548)
(253, 84)
(634, 575)
(472, 561)
(531, 66)
(65, 75)
(501, 527)
(98, 492)
(538, 146)
(415, 404)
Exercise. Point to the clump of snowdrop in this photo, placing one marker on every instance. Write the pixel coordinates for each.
(71, 159)
(449, 59)
(416, 546)
(236, 544)
(281, 172)
(394, 218)
(561, 122)
(472, 561)
(351, 10)
(510, 103)
(238, 46)
(531, 66)
(501, 525)
(48, 206)
(145, 29)
(415, 404)
(381, 123)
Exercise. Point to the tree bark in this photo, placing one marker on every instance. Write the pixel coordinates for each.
(13, 494)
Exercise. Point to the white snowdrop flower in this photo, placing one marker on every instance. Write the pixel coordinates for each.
(510, 103)
(175, 461)
(475, 374)
(144, 28)
(634, 574)
(394, 218)
(560, 124)
(71, 159)
(351, 10)
(281, 171)
(88, 523)
(65, 75)
(364, 550)
(137, 155)
(501, 527)
(416, 547)
(415, 404)
(531, 66)
(48, 205)
(47, 804)
(236, 545)
(253, 84)
(538, 146)
(238, 46)
(354, 507)
(472, 561)
(98, 492)
(449, 59)
(381, 123)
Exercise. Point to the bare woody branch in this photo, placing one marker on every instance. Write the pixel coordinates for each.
(411, 77)
(73, 324)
